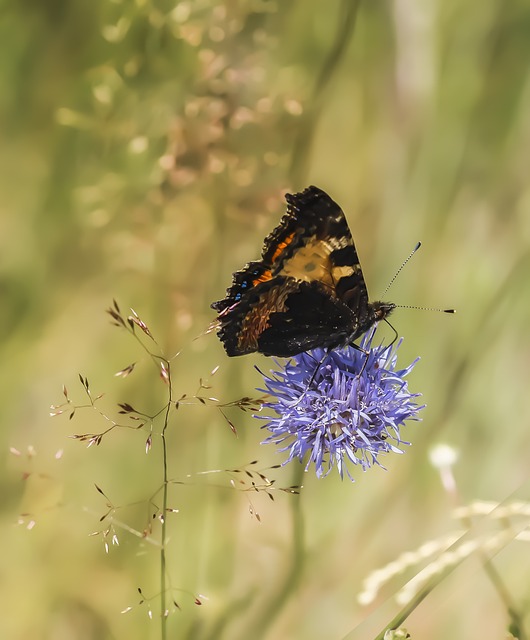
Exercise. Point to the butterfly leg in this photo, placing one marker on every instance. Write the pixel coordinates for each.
(366, 353)
(314, 375)
(356, 346)
(394, 330)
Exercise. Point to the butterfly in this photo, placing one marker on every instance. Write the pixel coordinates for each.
(307, 291)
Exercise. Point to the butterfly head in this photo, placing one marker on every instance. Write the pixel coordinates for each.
(382, 310)
(373, 313)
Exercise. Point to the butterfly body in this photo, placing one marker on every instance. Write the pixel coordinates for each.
(307, 291)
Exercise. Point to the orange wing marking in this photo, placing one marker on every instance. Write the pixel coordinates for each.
(264, 277)
(311, 262)
(282, 246)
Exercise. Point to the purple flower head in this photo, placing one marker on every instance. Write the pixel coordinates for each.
(351, 411)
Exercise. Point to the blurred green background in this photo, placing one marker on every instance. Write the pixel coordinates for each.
(145, 149)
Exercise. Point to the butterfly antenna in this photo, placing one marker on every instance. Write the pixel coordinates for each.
(400, 268)
(408, 306)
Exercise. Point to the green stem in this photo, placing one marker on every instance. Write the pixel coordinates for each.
(304, 140)
(163, 613)
(163, 547)
(516, 626)
(400, 618)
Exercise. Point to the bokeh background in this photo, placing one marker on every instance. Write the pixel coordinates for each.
(146, 147)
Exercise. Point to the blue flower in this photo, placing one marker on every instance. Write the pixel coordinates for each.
(351, 411)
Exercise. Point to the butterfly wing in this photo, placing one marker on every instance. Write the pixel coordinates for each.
(313, 242)
(312, 245)
(283, 317)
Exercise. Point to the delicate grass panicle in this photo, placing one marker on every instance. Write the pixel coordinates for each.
(351, 412)
(247, 478)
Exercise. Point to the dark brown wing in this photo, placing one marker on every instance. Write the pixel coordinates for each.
(312, 243)
(283, 317)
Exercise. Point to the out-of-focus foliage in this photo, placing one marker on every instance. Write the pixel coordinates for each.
(145, 149)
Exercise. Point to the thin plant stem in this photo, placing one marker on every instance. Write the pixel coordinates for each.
(502, 591)
(516, 627)
(304, 140)
(400, 618)
(517, 623)
(163, 612)
(517, 619)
